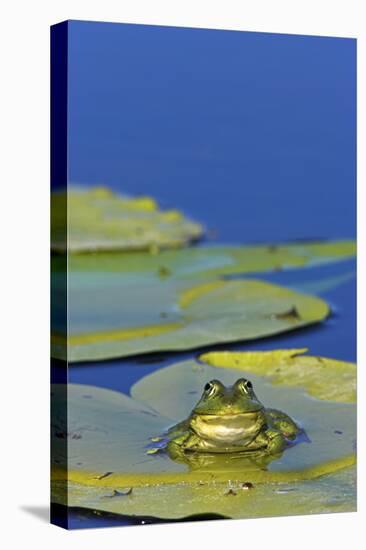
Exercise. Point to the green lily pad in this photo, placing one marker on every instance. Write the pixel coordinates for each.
(320, 377)
(99, 220)
(327, 494)
(109, 318)
(109, 468)
(212, 261)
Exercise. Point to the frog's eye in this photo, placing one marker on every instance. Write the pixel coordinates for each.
(211, 388)
(245, 385)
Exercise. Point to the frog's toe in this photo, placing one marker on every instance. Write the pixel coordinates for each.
(152, 451)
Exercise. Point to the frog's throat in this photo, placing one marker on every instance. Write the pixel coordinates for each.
(240, 428)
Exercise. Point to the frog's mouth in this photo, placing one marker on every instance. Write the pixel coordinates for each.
(224, 429)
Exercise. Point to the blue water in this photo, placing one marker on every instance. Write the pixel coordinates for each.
(252, 134)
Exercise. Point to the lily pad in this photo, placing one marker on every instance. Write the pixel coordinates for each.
(99, 219)
(108, 318)
(212, 261)
(320, 377)
(109, 468)
(327, 494)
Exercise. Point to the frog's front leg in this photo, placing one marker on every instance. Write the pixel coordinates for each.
(274, 440)
(283, 423)
(188, 441)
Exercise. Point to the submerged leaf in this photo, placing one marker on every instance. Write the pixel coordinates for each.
(109, 318)
(110, 469)
(99, 220)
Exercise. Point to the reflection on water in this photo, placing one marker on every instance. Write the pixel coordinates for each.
(234, 462)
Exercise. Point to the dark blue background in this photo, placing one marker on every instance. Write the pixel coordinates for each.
(253, 134)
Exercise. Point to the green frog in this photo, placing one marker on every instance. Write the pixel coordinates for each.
(231, 420)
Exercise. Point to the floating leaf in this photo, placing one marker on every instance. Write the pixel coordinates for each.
(108, 434)
(215, 261)
(109, 318)
(99, 220)
(320, 377)
(327, 494)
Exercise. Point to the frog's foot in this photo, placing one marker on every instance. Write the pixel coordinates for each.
(157, 445)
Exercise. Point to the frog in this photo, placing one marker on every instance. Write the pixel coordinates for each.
(231, 419)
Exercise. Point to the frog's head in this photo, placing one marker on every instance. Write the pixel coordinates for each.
(228, 416)
(218, 399)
